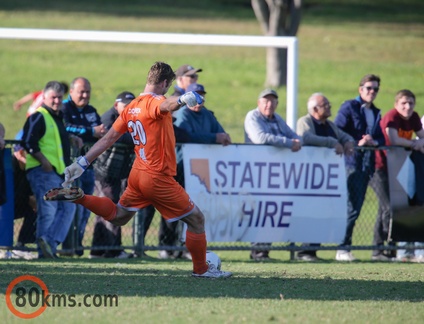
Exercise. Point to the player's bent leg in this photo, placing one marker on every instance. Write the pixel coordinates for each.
(64, 194)
(195, 221)
(196, 244)
(107, 209)
(102, 206)
(123, 216)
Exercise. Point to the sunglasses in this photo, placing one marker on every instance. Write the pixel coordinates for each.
(372, 88)
(325, 106)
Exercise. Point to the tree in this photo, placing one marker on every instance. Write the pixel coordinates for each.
(277, 18)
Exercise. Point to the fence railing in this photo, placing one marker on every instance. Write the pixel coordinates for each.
(146, 233)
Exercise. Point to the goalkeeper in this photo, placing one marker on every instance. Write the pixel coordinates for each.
(149, 121)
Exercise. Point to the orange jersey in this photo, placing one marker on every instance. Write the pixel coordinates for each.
(152, 133)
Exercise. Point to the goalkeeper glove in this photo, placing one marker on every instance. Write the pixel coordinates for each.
(75, 170)
(190, 99)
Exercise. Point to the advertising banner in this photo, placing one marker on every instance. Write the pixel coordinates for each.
(258, 193)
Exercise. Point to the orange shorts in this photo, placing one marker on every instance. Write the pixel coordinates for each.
(163, 192)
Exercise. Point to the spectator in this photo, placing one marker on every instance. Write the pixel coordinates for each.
(2, 134)
(168, 232)
(263, 126)
(27, 230)
(111, 172)
(82, 120)
(202, 127)
(2, 175)
(317, 130)
(151, 182)
(25, 203)
(360, 118)
(398, 126)
(48, 145)
(37, 99)
(185, 75)
(3, 254)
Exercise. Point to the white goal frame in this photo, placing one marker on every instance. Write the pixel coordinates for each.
(178, 39)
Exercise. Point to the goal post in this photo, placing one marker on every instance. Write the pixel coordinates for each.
(178, 39)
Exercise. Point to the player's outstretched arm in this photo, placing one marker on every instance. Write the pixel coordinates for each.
(190, 99)
(102, 144)
(170, 104)
(77, 168)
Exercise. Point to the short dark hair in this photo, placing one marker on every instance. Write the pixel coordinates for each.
(404, 93)
(53, 85)
(159, 72)
(65, 86)
(369, 78)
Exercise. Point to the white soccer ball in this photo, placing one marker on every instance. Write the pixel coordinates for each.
(213, 258)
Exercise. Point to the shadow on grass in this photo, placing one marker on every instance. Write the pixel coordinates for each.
(145, 279)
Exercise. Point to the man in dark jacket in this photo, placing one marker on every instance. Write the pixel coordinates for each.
(82, 120)
(111, 172)
(360, 118)
(2, 177)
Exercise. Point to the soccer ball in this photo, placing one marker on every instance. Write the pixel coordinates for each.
(213, 258)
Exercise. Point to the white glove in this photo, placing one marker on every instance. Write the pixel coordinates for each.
(191, 99)
(75, 170)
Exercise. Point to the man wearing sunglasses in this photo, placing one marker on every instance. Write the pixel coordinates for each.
(185, 75)
(360, 118)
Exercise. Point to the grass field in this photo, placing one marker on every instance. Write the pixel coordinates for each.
(339, 41)
(276, 292)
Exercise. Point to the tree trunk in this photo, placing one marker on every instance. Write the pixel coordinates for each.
(277, 18)
(276, 67)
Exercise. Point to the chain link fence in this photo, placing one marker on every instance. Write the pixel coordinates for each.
(147, 232)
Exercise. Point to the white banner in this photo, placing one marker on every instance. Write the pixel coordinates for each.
(258, 193)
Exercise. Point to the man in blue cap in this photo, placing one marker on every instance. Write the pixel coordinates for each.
(202, 127)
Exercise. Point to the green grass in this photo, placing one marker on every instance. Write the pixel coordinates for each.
(280, 292)
(339, 42)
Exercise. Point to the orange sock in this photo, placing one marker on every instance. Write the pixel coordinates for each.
(196, 245)
(102, 206)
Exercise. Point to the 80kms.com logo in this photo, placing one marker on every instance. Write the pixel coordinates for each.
(30, 292)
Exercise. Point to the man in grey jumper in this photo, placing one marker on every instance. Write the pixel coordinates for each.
(263, 126)
(317, 130)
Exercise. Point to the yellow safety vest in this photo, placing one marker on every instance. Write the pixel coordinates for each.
(50, 145)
